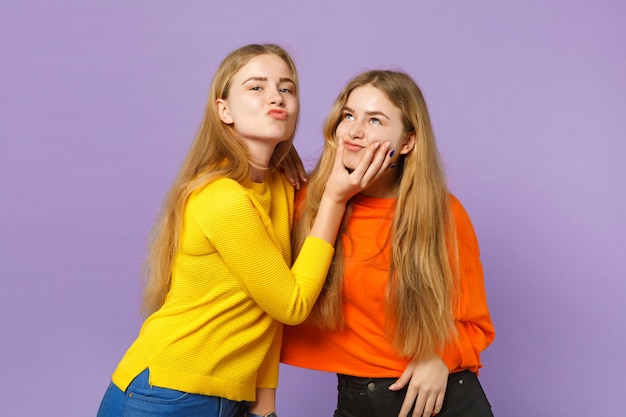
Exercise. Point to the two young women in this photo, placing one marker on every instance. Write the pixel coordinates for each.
(221, 278)
(403, 316)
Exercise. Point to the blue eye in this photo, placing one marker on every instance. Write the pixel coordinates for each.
(286, 90)
(348, 116)
(256, 88)
(375, 121)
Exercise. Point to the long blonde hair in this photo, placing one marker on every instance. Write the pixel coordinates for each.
(216, 152)
(421, 282)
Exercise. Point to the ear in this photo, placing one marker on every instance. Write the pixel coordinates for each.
(409, 144)
(222, 110)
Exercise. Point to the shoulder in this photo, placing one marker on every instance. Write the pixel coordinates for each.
(300, 202)
(464, 228)
(277, 180)
(222, 192)
(301, 195)
(458, 210)
(219, 187)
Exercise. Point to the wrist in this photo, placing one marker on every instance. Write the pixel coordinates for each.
(334, 199)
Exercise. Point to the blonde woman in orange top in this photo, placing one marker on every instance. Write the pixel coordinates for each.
(403, 317)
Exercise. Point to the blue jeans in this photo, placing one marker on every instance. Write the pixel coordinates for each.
(371, 397)
(143, 400)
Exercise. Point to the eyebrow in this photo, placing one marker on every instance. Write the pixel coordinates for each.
(280, 80)
(367, 113)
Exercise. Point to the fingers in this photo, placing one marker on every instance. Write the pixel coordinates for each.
(339, 156)
(407, 404)
(299, 167)
(378, 165)
(426, 390)
(288, 169)
(372, 163)
(403, 380)
(439, 403)
(293, 169)
(429, 406)
(425, 404)
(343, 183)
(420, 405)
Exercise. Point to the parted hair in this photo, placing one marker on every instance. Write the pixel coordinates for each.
(216, 152)
(421, 286)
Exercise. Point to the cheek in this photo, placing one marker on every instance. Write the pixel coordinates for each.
(293, 104)
(351, 159)
(341, 130)
(292, 123)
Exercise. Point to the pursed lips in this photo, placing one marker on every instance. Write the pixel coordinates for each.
(352, 146)
(277, 114)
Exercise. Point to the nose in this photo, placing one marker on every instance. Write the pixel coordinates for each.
(275, 97)
(356, 130)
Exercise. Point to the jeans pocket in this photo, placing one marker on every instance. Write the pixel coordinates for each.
(141, 390)
(158, 395)
(465, 397)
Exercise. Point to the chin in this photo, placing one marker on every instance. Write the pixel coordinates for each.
(349, 164)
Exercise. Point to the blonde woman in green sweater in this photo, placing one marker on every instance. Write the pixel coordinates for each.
(220, 281)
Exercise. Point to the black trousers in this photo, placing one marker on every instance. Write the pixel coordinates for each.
(371, 397)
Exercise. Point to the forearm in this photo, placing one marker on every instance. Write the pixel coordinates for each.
(328, 219)
(265, 401)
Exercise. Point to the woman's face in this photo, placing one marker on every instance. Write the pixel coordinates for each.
(262, 103)
(368, 116)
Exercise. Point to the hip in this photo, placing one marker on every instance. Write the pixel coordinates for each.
(371, 397)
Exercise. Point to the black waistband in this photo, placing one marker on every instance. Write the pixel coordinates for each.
(363, 382)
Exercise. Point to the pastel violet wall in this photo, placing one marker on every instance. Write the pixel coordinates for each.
(100, 100)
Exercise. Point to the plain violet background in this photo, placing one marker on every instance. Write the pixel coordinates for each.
(99, 101)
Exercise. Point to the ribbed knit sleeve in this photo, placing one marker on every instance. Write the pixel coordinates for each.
(241, 230)
(219, 329)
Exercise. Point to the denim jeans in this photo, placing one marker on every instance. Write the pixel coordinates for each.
(143, 400)
(371, 397)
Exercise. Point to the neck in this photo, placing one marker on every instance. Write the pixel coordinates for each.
(384, 187)
(257, 173)
(261, 154)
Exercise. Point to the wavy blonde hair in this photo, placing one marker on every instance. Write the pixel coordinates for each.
(216, 152)
(419, 306)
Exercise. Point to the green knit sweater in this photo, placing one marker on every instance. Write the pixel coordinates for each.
(219, 331)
